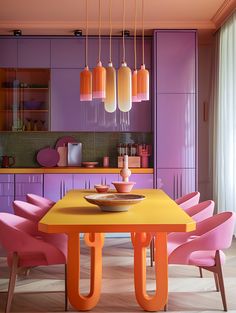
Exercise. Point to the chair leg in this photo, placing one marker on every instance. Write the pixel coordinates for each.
(200, 271)
(216, 281)
(12, 282)
(66, 297)
(220, 279)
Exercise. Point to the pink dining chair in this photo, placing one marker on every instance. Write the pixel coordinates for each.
(26, 247)
(28, 210)
(203, 247)
(39, 201)
(188, 200)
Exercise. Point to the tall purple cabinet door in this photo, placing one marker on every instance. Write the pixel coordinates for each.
(8, 52)
(68, 53)
(176, 131)
(175, 61)
(67, 112)
(34, 53)
(56, 185)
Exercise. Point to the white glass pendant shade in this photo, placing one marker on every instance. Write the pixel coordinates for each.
(86, 85)
(143, 83)
(135, 87)
(99, 81)
(110, 100)
(124, 88)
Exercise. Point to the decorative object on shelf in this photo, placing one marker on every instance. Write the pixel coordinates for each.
(106, 161)
(74, 153)
(143, 74)
(63, 141)
(6, 161)
(32, 104)
(125, 172)
(102, 188)
(124, 185)
(99, 72)
(135, 72)
(89, 164)
(86, 75)
(63, 152)
(114, 202)
(110, 100)
(124, 78)
(48, 157)
(134, 161)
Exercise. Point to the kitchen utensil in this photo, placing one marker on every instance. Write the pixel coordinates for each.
(48, 157)
(114, 202)
(74, 153)
(123, 186)
(6, 160)
(63, 152)
(101, 188)
(89, 164)
(106, 161)
(63, 141)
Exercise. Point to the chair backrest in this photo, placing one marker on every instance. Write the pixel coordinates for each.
(42, 202)
(28, 210)
(201, 211)
(188, 200)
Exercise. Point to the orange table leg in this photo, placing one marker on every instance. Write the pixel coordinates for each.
(140, 242)
(95, 241)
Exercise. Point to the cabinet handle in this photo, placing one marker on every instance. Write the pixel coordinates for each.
(89, 184)
(181, 185)
(174, 196)
(105, 180)
(177, 185)
(60, 189)
(85, 184)
(101, 180)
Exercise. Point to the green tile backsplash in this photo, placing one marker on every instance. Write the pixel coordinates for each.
(24, 146)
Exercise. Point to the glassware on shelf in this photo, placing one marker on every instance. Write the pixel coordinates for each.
(28, 124)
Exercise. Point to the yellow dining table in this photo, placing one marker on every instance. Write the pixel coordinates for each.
(155, 216)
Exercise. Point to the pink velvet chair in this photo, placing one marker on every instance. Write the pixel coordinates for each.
(26, 247)
(188, 200)
(29, 211)
(39, 201)
(203, 247)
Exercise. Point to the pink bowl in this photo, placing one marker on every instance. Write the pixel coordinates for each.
(101, 188)
(122, 186)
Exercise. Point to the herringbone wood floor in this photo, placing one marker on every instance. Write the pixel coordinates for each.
(188, 293)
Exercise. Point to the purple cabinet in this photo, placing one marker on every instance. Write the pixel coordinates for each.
(142, 181)
(87, 181)
(177, 182)
(175, 58)
(8, 53)
(56, 185)
(34, 53)
(6, 192)
(176, 131)
(28, 183)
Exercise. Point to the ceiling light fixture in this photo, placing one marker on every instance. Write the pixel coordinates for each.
(110, 100)
(86, 75)
(143, 74)
(124, 78)
(99, 72)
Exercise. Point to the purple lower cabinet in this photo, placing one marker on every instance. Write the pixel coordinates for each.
(28, 183)
(56, 185)
(87, 181)
(143, 181)
(176, 131)
(6, 192)
(6, 204)
(177, 182)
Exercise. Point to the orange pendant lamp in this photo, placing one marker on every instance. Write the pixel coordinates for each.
(143, 74)
(135, 72)
(124, 79)
(86, 75)
(110, 100)
(99, 72)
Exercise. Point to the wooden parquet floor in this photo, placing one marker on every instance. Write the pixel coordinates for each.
(188, 293)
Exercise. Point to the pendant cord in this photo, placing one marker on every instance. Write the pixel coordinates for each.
(135, 52)
(110, 29)
(86, 38)
(142, 31)
(99, 33)
(123, 31)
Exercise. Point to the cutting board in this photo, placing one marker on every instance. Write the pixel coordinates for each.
(63, 152)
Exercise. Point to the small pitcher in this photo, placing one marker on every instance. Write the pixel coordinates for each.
(8, 161)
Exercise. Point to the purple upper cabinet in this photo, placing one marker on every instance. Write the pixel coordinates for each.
(105, 52)
(34, 53)
(8, 52)
(68, 53)
(67, 112)
(175, 61)
(176, 131)
(129, 52)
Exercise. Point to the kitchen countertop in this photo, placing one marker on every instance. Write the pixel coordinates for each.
(71, 170)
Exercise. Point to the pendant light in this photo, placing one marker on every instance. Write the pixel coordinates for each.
(124, 79)
(143, 74)
(110, 100)
(86, 75)
(99, 72)
(135, 72)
